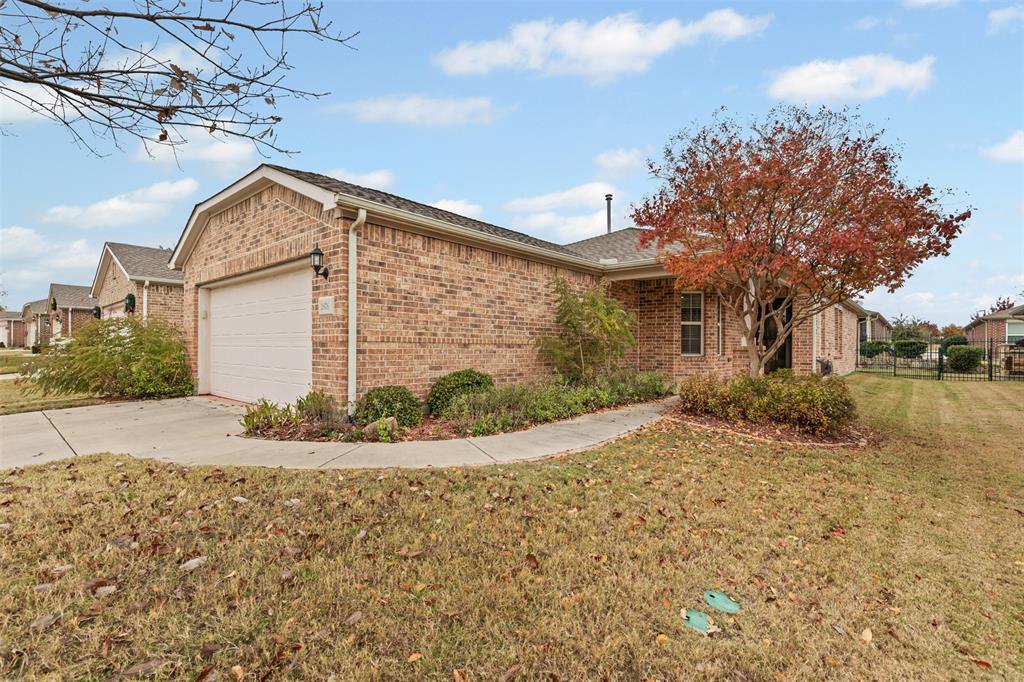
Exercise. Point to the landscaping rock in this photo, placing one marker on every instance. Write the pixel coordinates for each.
(371, 430)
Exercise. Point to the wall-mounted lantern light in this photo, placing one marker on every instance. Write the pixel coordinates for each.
(129, 303)
(316, 260)
(96, 312)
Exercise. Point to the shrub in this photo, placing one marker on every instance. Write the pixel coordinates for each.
(963, 358)
(452, 385)
(389, 401)
(870, 349)
(320, 412)
(955, 340)
(120, 357)
(265, 417)
(816, 404)
(909, 348)
(36, 348)
(595, 331)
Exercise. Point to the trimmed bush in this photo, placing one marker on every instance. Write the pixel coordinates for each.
(120, 357)
(389, 401)
(953, 341)
(909, 348)
(815, 404)
(963, 358)
(870, 349)
(517, 405)
(451, 386)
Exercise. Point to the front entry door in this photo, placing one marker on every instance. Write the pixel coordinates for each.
(783, 357)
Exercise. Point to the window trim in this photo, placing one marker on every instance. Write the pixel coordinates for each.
(720, 326)
(699, 324)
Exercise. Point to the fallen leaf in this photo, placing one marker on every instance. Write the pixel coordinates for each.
(510, 673)
(104, 590)
(361, 535)
(662, 639)
(192, 564)
(238, 672)
(866, 635)
(409, 553)
(414, 657)
(354, 618)
(209, 649)
(138, 670)
(532, 562)
(239, 499)
(207, 674)
(459, 676)
(44, 621)
(981, 663)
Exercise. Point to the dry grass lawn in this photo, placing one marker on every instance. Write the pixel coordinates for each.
(899, 562)
(17, 396)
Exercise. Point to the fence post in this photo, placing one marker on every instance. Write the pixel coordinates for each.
(894, 358)
(990, 359)
(942, 355)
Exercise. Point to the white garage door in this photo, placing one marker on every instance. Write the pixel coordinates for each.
(261, 338)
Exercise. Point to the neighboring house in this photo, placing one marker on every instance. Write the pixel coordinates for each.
(36, 316)
(871, 325)
(433, 292)
(1006, 326)
(69, 307)
(140, 272)
(12, 328)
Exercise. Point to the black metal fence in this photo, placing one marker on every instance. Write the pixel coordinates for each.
(933, 359)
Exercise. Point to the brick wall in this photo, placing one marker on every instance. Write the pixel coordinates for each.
(979, 334)
(838, 338)
(79, 317)
(13, 333)
(165, 300)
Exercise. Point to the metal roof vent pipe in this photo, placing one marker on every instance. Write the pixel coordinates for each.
(608, 201)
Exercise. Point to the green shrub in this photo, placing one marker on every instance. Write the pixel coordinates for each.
(389, 401)
(320, 412)
(816, 404)
(265, 417)
(595, 331)
(909, 348)
(963, 358)
(870, 349)
(120, 357)
(452, 385)
(956, 340)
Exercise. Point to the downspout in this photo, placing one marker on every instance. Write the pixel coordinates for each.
(145, 300)
(353, 318)
(814, 343)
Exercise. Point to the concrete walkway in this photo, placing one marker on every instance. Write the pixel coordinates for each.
(204, 431)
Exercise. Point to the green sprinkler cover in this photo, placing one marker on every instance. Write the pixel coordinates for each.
(721, 601)
(697, 620)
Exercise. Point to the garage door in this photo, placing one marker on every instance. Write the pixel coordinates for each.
(261, 338)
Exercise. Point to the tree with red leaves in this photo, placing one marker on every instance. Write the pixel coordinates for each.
(999, 306)
(788, 216)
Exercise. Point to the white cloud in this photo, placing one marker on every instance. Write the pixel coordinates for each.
(146, 204)
(378, 179)
(423, 111)
(223, 158)
(856, 78)
(917, 4)
(567, 228)
(1010, 18)
(620, 161)
(460, 206)
(581, 196)
(25, 246)
(866, 23)
(1010, 149)
(20, 101)
(600, 51)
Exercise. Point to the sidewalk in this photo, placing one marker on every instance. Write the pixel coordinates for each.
(203, 431)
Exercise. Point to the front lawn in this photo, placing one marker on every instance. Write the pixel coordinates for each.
(17, 396)
(11, 361)
(905, 561)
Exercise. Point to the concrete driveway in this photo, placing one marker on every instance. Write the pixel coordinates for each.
(202, 431)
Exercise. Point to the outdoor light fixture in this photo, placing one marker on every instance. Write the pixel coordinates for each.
(316, 259)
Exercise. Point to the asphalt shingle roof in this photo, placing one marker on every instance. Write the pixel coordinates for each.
(10, 314)
(377, 196)
(37, 307)
(620, 244)
(71, 296)
(143, 262)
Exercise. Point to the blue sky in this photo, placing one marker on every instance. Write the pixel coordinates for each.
(526, 114)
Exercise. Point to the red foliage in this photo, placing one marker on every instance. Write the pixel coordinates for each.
(801, 206)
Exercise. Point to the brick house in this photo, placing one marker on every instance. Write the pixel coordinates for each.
(1004, 327)
(430, 292)
(12, 328)
(69, 306)
(36, 316)
(139, 274)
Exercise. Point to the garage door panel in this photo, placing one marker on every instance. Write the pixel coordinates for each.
(261, 338)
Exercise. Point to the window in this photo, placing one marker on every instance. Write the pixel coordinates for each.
(720, 322)
(1014, 332)
(691, 331)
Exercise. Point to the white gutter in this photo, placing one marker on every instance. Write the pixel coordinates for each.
(145, 301)
(353, 318)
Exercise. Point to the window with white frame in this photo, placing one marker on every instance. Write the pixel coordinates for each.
(720, 325)
(691, 331)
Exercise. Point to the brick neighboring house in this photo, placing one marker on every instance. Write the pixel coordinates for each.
(434, 292)
(69, 307)
(142, 272)
(12, 328)
(1004, 327)
(36, 316)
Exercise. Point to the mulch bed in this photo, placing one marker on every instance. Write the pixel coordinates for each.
(777, 434)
